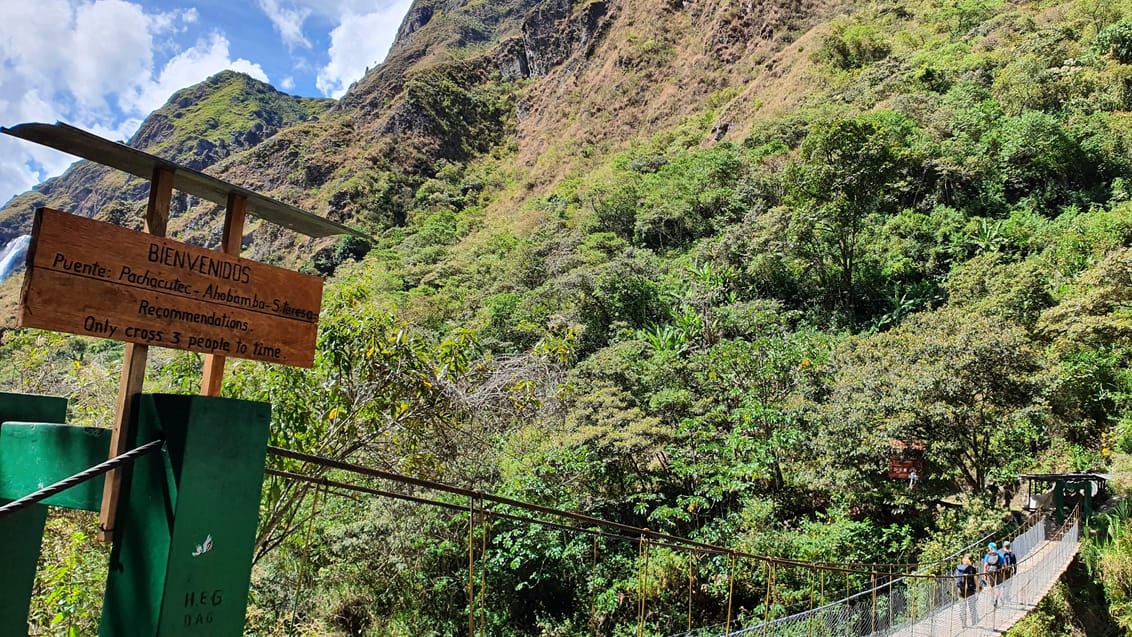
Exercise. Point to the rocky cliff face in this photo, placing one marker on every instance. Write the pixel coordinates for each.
(568, 78)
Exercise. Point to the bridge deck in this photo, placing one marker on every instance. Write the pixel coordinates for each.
(1017, 597)
(925, 605)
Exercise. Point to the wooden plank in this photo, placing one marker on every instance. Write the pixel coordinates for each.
(160, 201)
(131, 160)
(234, 216)
(153, 291)
(134, 358)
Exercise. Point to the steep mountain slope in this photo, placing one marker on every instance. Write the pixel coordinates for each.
(560, 81)
(198, 127)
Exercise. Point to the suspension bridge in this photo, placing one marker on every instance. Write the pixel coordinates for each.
(901, 600)
(927, 602)
(798, 598)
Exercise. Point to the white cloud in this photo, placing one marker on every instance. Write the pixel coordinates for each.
(208, 56)
(360, 41)
(362, 34)
(34, 42)
(104, 65)
(335, 10)
(19, 176)
(91, 63)
(112, 45)
(288, 22)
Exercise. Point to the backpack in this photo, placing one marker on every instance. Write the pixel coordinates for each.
(965, 575)
(1009, 559)
(994, 561)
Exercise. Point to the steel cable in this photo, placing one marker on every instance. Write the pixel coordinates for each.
(79, 478)
(635, 532)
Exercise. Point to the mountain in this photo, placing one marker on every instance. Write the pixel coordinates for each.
(198, 127)
(548, 78)
(717, 268)
(558, 83)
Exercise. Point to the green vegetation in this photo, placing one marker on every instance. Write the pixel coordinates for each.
(225, 109)
(71, 576)
(722, 340)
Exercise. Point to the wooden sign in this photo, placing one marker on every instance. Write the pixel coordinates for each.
(97, 279)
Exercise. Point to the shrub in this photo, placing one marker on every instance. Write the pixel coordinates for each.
(1116, 40)
(853, 46)
(1124, 435)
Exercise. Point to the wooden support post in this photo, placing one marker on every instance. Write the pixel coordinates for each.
(231, 244)
(133, 363)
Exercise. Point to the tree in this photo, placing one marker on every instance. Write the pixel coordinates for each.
(1095, 310)
(960, 384)
(990, 284)
(846, 173)
(1090, 333)
(1036, 158)
(750, 383)
(389, 396)
(621, 293)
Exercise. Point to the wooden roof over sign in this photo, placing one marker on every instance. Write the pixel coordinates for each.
(80, 143)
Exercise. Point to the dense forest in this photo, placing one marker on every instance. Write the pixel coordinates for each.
(905, 224)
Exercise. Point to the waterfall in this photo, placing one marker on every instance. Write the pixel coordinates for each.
(12, 256)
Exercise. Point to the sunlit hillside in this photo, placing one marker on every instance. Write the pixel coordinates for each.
(702, 267)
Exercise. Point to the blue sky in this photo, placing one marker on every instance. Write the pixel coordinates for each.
(103, 65)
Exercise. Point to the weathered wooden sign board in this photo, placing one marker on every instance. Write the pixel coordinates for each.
(97, 279)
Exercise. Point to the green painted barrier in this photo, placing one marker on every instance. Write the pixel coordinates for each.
(185, 535)
(22, 533)
(32, 408)
(35, 455)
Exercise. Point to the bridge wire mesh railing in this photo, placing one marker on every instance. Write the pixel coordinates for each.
(880, 580)
(926, 601)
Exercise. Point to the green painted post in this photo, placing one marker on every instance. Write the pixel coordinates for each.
(185, 536)
(1059, 502)
(22, 533)
(23, 536)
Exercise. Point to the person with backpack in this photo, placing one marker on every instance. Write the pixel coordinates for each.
(1009, 568)
(993, 567)
(1009, 560)
(966, 585)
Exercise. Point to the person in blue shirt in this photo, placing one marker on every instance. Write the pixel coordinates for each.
(1009, 568)
(994, 566)
(1009, 559)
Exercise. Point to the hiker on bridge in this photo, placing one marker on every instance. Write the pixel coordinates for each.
(1009, 568)
(1009, 560)
(967, 584)
(994, 567)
